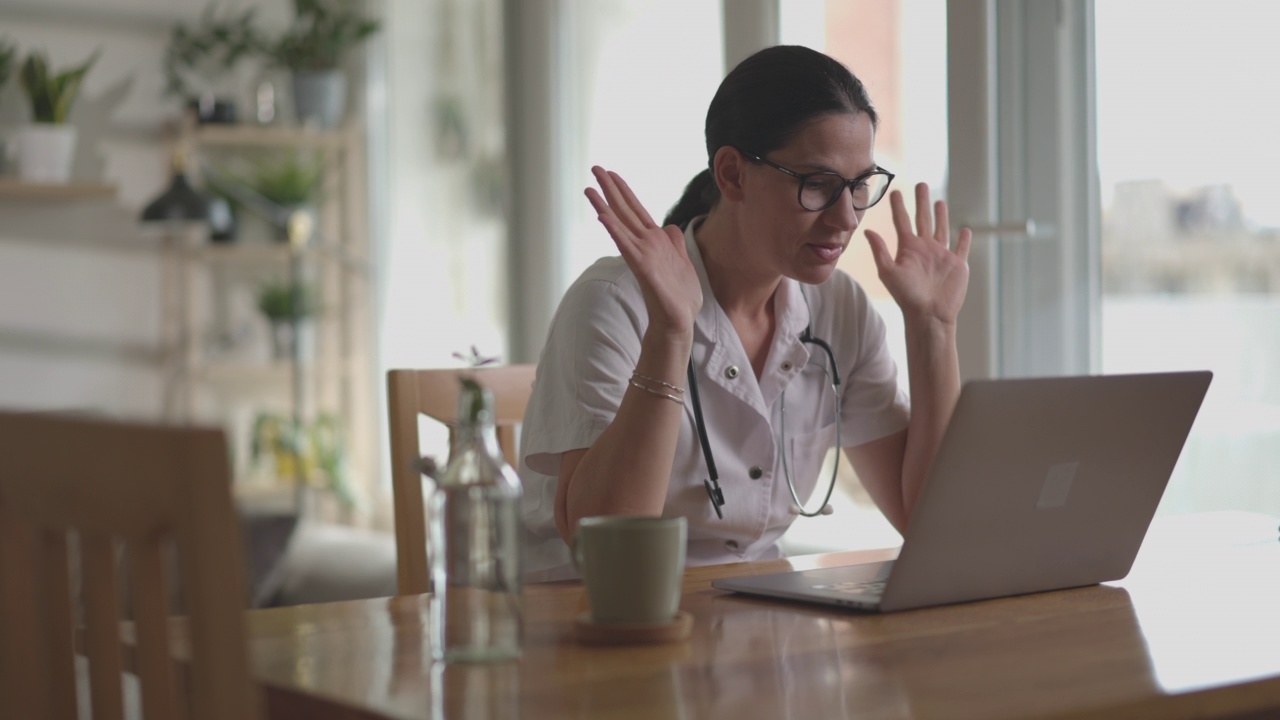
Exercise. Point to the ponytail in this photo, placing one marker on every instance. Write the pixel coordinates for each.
(699, 195)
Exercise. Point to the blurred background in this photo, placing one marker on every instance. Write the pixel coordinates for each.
(429, 157)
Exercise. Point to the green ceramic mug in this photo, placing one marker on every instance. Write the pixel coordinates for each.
(633, 567)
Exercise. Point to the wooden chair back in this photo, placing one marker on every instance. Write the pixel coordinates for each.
(434, 393)
(141, 486)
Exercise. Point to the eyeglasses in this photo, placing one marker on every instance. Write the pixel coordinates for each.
(819, 191)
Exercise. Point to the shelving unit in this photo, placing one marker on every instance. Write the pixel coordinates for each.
(213, 355)
(211, 302)
(11, 189)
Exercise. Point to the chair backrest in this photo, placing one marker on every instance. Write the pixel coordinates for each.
(142, 486)
(434, 393)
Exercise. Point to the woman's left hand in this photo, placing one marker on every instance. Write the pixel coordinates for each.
(926, 278)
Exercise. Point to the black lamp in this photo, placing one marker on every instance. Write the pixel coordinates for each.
(180, 201)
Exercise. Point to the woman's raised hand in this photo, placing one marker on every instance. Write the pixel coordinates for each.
(657, 255)
(927, 278)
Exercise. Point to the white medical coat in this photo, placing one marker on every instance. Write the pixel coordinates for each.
(591, 352)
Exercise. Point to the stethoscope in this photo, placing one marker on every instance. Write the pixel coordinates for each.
(712, 481)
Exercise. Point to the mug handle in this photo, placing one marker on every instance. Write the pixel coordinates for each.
(575, 551)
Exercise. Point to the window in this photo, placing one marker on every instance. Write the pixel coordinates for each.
(641, 104)
(898, 50)
(1191, 229)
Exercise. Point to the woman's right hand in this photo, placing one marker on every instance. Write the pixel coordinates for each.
(657, 255)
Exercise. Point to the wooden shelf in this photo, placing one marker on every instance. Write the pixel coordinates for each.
(11, 189)
(212, 135)
(41, 342)
(276, 372)
(253, 253)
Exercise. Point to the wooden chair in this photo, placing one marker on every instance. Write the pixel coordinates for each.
(434, 393)
(143, 486)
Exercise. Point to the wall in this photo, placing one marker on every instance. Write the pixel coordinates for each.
(79, 325)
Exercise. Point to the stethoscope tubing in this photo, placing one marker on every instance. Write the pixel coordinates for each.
(712, 482)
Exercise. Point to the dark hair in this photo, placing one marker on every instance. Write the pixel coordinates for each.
(761, 104)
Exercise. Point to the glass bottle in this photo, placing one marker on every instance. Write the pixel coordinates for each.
(474, 542)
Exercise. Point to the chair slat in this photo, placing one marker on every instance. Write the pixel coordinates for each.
(102, 626)
(20, 677)
(211, 542)
(58, 624)
(406, 484)
(151, 610)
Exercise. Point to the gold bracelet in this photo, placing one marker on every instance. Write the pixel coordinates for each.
(655, 380)
(673, 398)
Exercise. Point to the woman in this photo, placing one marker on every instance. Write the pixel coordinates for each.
(735, 291)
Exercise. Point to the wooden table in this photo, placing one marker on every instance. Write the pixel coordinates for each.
(1192, 632)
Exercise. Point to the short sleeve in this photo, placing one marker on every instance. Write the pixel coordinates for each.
(591, 350)
(873, 404)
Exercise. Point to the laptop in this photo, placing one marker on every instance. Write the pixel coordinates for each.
(1039, 484)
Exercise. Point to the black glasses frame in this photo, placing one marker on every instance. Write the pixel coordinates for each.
(802, 178)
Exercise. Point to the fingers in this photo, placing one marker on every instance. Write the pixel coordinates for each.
(963, 243)
(879, 250)
(598, 203)
(901, 221)
(943, 231)
(924, 219)
(624, 217)
(618, 203)
(632, 202)
(623, 239)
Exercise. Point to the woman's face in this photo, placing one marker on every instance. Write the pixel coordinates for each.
(792, 241)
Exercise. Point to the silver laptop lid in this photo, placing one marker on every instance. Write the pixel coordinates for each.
(1043, 483)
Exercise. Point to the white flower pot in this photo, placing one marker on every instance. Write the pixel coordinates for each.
(45, 152)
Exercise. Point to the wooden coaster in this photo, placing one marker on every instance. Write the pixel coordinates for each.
(592, 633)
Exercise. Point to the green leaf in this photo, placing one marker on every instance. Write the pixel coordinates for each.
(210, 49)
(288, 301)
(321, 34)
(288, 179)
(51, 97)
(8, 55)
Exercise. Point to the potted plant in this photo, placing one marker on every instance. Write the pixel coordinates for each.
(313, 451)
(8, 56)
(313, 49)
(291, 181)
(47, 146)
(200, 59)
(288, 306)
